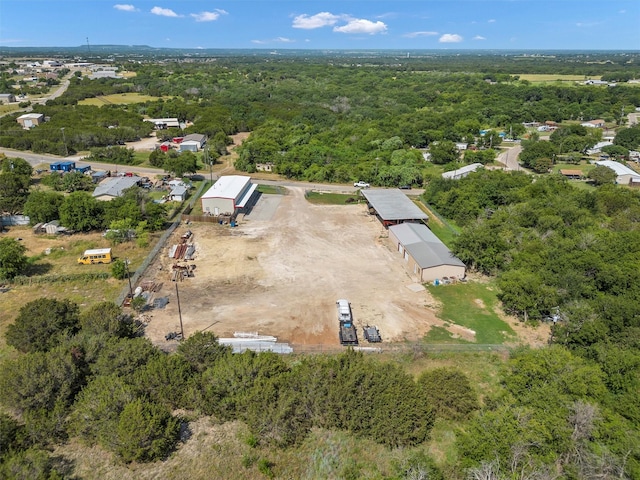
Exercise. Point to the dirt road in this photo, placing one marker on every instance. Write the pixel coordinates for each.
(282, 275)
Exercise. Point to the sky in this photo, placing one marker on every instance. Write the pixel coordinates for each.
(307, 24)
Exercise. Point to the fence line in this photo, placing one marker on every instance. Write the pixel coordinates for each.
(154, 251)
(438, 216)
(403, 348)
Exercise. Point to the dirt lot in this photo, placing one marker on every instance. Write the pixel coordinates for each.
(282, 276)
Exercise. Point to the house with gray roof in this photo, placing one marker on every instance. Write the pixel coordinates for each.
(114, 187)
(424, 255)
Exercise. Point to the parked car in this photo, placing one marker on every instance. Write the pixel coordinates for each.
(405, 187)
(361, 185)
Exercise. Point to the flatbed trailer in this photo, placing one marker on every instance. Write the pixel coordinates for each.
(347, 333)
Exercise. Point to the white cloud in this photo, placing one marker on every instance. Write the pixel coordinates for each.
(479, 37)
(491, 20)
(125, 8)
(360, 25)
(588, 24)
(274, 40)
(450, 38)
(622, 11)
(164, 12)
(319, 20)
(208, 16)
(419, 34)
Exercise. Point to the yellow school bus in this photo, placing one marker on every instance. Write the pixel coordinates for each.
(97, 255)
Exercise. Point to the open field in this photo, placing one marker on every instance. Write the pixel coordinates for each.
(62, 259)
(118, 99)
(551, 77)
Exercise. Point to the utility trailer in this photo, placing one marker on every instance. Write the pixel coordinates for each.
(347, 333)
(372, 334)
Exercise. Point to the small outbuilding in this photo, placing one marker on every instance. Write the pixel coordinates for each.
(461, 172)
(178, 193)
(29, 120)
(571, 174)
(114, 187)
(425, 256)
(230, 195)
(7, 98)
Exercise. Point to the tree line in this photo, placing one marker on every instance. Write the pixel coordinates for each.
(87, 374)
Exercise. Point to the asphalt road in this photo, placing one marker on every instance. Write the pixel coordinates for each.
(37, 159)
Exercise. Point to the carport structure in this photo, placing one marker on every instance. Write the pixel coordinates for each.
(393, 207)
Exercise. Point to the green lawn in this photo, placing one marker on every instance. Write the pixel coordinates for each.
(472, 305)
(118, 99)
(323, 198)
(272, 189)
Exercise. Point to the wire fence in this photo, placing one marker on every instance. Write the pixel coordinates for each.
(404, 348)
(158, 246)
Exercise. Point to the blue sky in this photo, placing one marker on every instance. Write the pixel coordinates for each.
(305, 24)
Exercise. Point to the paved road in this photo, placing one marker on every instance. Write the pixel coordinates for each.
(510, 157)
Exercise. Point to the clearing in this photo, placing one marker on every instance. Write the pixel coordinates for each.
(280, 272)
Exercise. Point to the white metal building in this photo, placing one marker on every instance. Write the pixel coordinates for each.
(424, 254)
(462, 172)
(624, 175)
(230, 195)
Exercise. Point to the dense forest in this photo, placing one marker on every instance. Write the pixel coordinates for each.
(336, 119)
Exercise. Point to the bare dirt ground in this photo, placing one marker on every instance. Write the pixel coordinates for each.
(283, 276)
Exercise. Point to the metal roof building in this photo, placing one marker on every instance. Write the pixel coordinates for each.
(113, 187)
(229, 195)
(461, 172)
(424, 254)
(624, 175)
(392, 206)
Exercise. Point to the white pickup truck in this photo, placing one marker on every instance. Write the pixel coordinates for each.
(361, 185)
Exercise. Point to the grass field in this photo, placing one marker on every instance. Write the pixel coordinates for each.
(62, 260)
(272, 189)
(551, 78)
(324, 198)
(118, 99)
(472, 305)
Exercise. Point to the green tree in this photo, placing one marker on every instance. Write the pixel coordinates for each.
(444, 152)
(18, 166)
(107, 317)
(202, 350)
(12, 257)
(449, 392)
(124, 356)
(145, 432)
(14, 190)
(165, 379)
(41, 380)
(76, 181)
(186, 162)
(42, 324)
(80, 211)
(97, 410)
(42, 206)
(30, 464)
(602, 175)
(119, 269)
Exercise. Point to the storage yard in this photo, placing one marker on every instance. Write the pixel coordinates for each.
(280, 271)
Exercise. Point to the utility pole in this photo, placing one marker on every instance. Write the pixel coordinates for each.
(64, 140)
(179, 313)
(208, 160)
(126, 266)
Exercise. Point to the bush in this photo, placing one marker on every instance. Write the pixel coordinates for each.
(119, 269)
(146, 432)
